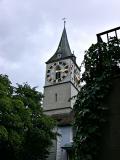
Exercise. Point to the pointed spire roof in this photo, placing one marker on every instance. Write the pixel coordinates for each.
(63, 48)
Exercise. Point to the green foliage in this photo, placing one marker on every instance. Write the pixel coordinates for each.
(101, 63)
(25, 132)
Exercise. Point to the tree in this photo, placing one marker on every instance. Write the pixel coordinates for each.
(101, 63)
(25, 132)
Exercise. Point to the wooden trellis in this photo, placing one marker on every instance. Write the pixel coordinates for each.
(99, 35)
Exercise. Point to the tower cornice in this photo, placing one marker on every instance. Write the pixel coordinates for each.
(55, 84)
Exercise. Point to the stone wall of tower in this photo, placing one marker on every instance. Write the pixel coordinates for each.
(62, 104)
(66, 137)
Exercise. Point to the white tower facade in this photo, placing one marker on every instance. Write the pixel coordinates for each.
(61, 84)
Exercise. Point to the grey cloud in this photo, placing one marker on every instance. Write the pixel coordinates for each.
(30, 31)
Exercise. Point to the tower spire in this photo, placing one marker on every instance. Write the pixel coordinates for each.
(64, 20)
(63, 48)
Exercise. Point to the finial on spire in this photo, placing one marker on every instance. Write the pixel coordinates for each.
(64, 19)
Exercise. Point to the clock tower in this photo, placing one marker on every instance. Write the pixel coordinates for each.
(62, 79)
(61, 84)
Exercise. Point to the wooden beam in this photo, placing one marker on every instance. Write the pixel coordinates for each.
(108, 31)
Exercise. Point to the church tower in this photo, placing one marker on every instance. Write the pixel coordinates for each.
(61, 84)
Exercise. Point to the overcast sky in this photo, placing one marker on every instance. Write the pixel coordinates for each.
(30, 31)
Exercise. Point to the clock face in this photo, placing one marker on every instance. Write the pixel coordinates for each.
(57, 72)
(76, 76)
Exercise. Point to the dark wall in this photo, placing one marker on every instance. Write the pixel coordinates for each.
(111, 133)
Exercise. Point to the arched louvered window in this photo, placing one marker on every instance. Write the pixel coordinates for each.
(58, 72)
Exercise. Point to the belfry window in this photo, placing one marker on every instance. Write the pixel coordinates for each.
(58, 72)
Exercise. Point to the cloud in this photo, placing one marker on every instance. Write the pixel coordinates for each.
(30, 31)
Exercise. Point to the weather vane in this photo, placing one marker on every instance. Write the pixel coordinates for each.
(64, 19)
